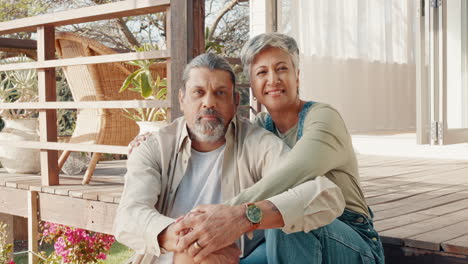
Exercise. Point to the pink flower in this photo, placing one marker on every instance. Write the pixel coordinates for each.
(11, 262)
(75, 244)
(101, 256)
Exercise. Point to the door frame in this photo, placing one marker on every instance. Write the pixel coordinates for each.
(431, 79)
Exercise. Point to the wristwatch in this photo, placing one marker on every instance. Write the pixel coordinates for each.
(254, 214)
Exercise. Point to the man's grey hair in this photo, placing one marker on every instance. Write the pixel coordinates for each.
(210, 61)
(269, 40)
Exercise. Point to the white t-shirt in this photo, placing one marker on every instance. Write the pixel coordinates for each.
(201, 184)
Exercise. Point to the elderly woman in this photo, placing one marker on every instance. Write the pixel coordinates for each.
(320, 145)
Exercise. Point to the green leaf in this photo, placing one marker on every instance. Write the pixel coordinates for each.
(134, 63)
(145, 86)
(161, 95)
(163, 82)
(158, 80)
(136, 85)
(128, 81)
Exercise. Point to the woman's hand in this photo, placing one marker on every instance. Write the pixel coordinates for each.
(137, 141)
(227, 255)
(212, 227)
(168, 238)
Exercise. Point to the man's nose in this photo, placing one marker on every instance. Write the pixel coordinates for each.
(209, 101)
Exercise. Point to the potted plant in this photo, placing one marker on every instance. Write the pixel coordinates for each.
(142, 81)
(19, 124)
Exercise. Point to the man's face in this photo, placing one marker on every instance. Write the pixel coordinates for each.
(208, 103)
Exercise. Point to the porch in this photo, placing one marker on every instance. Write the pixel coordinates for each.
(420, 204)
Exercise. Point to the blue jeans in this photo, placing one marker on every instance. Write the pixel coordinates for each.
(349, 239)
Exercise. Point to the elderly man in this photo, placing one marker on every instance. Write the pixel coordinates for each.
(207, 157)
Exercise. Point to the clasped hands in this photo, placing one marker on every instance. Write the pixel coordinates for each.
(207, 234)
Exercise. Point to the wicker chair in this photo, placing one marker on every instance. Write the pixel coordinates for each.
(98, 82)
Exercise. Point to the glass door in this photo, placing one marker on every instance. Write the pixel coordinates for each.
(447, 70)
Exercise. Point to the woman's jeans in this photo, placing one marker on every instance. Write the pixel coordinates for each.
(349, 239)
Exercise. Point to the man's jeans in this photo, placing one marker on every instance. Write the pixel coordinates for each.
(349, 239)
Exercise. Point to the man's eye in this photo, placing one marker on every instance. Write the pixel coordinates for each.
(198, 92)
(221, 92)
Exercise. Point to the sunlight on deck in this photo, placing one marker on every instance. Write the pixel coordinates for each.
(404, 145)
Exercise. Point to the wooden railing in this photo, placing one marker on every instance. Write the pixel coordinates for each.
(184, 38)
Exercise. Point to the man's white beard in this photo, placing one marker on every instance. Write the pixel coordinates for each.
(208, 131)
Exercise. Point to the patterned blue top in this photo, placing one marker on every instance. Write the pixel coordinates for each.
(270, 125)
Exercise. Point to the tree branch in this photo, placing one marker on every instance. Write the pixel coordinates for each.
(226, 9)
(126, 31)
(122, 26)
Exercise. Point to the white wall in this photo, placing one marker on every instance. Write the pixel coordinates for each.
(368, 102)
(371, 94)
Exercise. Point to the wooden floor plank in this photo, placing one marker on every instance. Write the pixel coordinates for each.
(376, 187)
(432, 240)
(416, 227)
(458, 245)
(76, 188)
(448, 208)
(417, 207)
(107, 194)
(397, 200)
(402, 220)
(401, 198)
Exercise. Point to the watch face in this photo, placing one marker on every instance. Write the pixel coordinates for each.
(254, 214)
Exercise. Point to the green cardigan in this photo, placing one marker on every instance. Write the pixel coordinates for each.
(324, 148)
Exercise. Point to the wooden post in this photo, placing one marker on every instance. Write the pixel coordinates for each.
(20, 228)
(47, 93)
(186, 40)
(33, 222)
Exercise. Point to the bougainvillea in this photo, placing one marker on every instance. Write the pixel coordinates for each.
(75, 245)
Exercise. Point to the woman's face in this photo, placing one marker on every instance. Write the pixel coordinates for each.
(274, 80)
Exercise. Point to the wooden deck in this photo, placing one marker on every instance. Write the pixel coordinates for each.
(90, 206)
(420, 205)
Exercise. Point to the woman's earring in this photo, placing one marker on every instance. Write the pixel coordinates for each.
(255, 98)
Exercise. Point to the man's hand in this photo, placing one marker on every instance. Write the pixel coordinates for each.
(137, 141)
(213, 227)
(168, 238)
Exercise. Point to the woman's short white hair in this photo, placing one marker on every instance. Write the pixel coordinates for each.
(267, 40)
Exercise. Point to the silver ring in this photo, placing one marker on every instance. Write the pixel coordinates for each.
(196, 245)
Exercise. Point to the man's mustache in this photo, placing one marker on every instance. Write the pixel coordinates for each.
(210, 112)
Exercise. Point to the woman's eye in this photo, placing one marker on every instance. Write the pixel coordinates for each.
(282, 68)
(261, 72)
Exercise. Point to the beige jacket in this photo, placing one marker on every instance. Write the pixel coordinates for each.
(156, 168)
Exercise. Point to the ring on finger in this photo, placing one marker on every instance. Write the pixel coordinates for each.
(197, 245)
